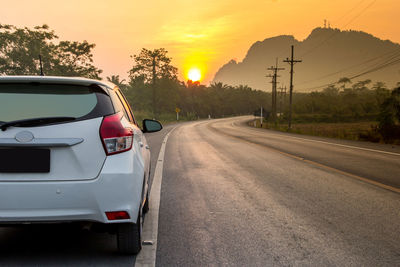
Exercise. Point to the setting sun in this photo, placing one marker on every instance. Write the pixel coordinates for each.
(194, 74)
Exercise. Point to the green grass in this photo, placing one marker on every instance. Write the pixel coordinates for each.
(342, 130)
(347, 130)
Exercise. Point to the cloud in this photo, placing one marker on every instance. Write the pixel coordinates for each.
(189, 31)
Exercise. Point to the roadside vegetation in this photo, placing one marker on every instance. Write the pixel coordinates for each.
(357, 110)
(341, 130)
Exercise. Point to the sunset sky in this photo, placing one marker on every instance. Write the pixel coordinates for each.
(204, 34)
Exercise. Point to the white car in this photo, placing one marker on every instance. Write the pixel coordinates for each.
(71, 151)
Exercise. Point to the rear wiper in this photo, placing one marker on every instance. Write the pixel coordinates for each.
(35, 122)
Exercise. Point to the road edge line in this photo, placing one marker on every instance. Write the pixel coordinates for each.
(273, 132)
(147, 256)
(354, 176)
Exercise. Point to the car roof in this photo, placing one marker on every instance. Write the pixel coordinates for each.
(55, 80)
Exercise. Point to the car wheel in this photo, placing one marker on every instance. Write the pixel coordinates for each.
(129, 236)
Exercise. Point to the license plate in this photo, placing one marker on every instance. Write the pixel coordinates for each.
(25, 160)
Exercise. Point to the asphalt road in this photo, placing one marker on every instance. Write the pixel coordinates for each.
(237, 196)
(65, 245)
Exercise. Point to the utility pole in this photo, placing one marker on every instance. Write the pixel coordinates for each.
(273, 90)
(41, 65)
(291, 61)
(274, 82)
(282, 99)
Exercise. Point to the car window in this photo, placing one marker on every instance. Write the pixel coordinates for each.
(118, 106)
(26, 101)
(126, 106)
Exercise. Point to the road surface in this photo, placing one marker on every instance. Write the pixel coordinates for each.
(232, 195)
(239, 196)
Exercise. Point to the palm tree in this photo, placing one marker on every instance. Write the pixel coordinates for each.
(115, 79)
(343, 81)
(219, 86)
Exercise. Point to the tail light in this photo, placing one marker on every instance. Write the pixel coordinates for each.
(116, 138)
(117, 215)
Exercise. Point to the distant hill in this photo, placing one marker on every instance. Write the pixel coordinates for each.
(327, 54)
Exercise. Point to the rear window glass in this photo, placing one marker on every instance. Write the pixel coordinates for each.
(26, 101)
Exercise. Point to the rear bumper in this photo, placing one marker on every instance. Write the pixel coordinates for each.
(69, 201)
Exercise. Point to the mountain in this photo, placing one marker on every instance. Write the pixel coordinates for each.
(327, 54)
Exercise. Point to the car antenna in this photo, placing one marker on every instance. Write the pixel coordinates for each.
(41, 65)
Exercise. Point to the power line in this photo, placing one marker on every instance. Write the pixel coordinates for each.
(384, 61)
(351, 10)
(282, 52)
(395, 53)
(359, 14)
(390, 63)
(383, 66)
(336, 32)
(327, 39)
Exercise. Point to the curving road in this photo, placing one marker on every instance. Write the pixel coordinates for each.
(233, 195)
(238, 196)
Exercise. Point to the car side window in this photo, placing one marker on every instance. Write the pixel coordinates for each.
(118, 106)
(126, 106)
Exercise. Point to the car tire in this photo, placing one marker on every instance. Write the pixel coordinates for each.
(129, 236)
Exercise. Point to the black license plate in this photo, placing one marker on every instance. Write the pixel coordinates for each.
(24, 160)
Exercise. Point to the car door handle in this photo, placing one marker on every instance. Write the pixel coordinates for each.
(147, 147)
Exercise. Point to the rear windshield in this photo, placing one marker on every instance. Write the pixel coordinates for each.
(26, 101)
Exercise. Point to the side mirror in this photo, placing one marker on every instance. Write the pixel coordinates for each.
(151, 126)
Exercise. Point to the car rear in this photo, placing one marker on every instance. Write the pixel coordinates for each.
(85, 167)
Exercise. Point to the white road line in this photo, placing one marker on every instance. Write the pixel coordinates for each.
(147, 257)
(333, 144)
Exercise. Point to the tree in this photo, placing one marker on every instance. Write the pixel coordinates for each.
(361, 85)
(381, 92)
(151, 66)
(74, 59)
(20, 49)
(331, 90)
(115, 79)
(219, 86)
(389, 117)
(343, 81)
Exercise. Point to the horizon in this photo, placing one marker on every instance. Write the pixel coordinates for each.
(206, 39)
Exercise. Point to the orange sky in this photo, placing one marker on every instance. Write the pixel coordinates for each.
(204, 34)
